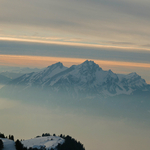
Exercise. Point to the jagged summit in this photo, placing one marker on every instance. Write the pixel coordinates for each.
(57, 67)
(87, 77)
(59, 64)
(41, 77)
(89, 63)
(89, 66)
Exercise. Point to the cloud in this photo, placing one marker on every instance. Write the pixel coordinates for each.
(100, 21)
(25, 60)
(127, 46)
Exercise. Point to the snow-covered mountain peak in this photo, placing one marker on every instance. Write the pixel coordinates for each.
(54, 66)
(88, 67)
(89, 64)
(51, 71)
(133, 80)
(39, 78)
(107, 76)
(133, 75)
(59, 64)
(87, 77)
(111, 74)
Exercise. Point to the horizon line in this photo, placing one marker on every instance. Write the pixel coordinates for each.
(44, 61)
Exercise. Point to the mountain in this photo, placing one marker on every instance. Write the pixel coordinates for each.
(86, 87)
(86, 79)
(18, 69)
(16, 72)
(4, 79)
(39, 78)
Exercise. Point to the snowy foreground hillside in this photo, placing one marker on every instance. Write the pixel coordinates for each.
(44, 142)
(8, 144)
(48, 142)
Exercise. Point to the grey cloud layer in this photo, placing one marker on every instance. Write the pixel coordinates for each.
(22, 48)
(124, 21)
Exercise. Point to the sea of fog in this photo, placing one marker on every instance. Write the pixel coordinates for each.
(96, 132)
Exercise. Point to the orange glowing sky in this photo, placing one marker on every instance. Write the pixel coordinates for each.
(43, 61)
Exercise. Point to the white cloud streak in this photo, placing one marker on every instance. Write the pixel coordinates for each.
(100, 21)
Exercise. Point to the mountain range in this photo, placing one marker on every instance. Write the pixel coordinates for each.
(87, 78)
(15, 72)
(4, 79)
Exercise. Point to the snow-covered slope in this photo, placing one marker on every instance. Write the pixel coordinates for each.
(39, 78)
(87, 78)
(8, 144)
(47, 142)
(133, 80)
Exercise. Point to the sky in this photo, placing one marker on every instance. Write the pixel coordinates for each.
(113, 33)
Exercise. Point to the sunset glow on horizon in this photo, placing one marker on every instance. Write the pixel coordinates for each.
(41, 61)
(44, 61)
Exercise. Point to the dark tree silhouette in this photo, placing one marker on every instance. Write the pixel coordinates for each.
(2, 135)
(19, 146)
(1, 144)
(45, 134)
(11, 137)
(70, 144)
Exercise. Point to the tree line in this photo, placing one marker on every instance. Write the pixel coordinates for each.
(69, 144)
(11, 137)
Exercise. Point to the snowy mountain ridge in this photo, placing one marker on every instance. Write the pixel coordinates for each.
(87, 78)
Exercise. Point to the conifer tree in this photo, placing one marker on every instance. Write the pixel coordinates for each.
(1, 144)
(19, 145)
